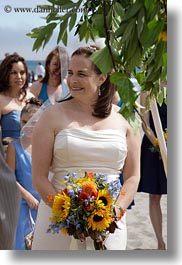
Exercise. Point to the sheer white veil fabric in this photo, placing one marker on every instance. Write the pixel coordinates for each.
(27, 130)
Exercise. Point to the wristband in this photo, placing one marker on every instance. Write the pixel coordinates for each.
(122, 211)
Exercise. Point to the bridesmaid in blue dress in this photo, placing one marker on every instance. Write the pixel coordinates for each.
(19, 159)
(10, 124)
(51, 88)
(13, 94)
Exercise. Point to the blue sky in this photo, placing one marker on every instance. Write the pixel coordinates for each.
(14, 26)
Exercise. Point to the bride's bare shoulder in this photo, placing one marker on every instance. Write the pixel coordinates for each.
(59, 108)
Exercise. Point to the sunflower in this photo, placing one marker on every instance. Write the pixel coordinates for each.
(89, 177)
(64, 230)
(99, 220)
(61, 207)
(104, 198)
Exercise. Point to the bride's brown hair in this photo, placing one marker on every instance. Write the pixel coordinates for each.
(103, 105)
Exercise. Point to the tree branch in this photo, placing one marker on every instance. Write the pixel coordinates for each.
(107, 33)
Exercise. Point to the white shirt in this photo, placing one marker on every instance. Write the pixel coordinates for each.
(40, 70)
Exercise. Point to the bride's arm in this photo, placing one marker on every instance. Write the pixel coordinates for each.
(42, 154)
(131, 170)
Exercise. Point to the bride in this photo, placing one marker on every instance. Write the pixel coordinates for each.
(85, 132)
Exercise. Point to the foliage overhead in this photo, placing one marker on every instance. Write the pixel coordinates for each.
(135, 33)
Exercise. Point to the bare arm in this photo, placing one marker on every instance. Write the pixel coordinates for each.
(146, 123)
(42, 153)
(35, 88)
(1, 105)
(11, 156)
(131, 170)
(11, 161)
(30, 95)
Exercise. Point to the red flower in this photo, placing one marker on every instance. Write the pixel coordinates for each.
(27, 101)
(83, 196)
(90, 174)
(65, 191)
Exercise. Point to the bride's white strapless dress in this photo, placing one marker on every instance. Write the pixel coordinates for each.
(102, 151)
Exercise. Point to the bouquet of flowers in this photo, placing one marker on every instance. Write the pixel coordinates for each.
(85, 207)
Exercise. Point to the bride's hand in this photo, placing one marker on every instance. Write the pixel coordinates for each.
(82, 237)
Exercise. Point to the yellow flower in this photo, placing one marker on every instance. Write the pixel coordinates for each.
(99, 220)
(165, 135)
(104, 199)
(61, 207)
(64, 230)
(156, 142)
(162, 36)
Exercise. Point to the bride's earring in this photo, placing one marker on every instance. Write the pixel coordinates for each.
(99, 92)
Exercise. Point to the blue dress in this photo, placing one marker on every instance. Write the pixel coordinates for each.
(10, 124)
(43, 96)
(23, 172)
(153, 179)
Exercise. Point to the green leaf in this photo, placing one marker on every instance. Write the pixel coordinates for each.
(98, 23)
(131, 47)
(133, 30)
(82, 29)
(140, 77)
(154, 75)
(63, 3)
(52, 17)
(44, 34)
(109, 18)
(97, 58)
(161, 96)
(135, 60)
(140, 21)
(120, 31)
(35, 32)
(158, 55)
(47, 32)
(37, 44)
(118, 9)
(164, 66)
(117, 77)
(116, 55)
(132, 10)
(72, 21)
(125, 87)
(128, 31)
(150, 33)
(62, 30)
(152, 8)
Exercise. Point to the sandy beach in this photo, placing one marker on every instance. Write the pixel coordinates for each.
(140, 231)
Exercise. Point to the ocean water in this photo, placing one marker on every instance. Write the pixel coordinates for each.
(31, 64)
